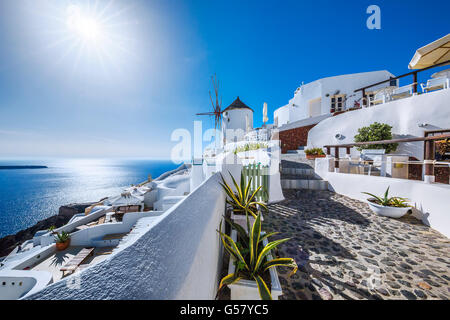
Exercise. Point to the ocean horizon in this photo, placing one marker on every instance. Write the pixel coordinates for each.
(30, 195)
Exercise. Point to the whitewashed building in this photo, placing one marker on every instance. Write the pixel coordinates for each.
(327, 96)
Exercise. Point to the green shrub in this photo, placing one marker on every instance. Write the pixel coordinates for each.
(251, 146)
(376, 132)
(315, 151)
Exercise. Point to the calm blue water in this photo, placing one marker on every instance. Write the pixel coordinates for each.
(30, 195)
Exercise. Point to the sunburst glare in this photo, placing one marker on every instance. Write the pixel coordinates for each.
(86, 27)
(93, 37)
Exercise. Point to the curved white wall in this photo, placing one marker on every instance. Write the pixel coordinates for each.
(403, 115)
(15, 284)
(234, 119)
(177, 258)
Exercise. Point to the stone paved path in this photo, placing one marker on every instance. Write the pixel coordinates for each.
(344, 251)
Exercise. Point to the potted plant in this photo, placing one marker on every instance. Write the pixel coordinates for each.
(251, 265)
(242, 202)
(394, 207)
(62, 240)
(314, 153)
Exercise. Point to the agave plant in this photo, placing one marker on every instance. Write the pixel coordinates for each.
(389, 202)
(243, 201)
(51, 229)
(62, 237)
(250, 256)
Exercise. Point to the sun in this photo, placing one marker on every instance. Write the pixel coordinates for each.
(85, 26)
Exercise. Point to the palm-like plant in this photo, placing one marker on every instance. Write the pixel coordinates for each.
(62, 237)
(243, 201)
(51, 229)
(251, 256)
(389, 201)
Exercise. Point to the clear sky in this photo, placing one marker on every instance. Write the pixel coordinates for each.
(120, 79)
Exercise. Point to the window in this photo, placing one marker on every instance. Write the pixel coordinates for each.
(337, 103)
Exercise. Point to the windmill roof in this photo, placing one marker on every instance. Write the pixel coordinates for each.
(237, 104)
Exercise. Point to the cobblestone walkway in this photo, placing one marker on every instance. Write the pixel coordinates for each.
(344, 251)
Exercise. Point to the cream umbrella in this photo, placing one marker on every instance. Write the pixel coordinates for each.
(265, 118)
(440, 74)
(125, 199)
(432, 54)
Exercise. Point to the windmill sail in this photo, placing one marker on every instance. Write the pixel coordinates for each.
(216, 105)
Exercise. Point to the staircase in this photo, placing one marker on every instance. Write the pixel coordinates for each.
(298, 173)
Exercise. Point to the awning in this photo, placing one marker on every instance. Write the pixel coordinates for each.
(432, 54)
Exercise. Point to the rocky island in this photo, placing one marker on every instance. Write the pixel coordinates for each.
(22, 167)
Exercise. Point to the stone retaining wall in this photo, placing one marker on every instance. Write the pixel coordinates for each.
(293, 138)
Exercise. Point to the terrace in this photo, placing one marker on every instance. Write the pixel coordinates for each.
(431, 56)
(345, 251)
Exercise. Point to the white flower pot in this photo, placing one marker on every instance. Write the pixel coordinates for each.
(392, 212)
(248, 289)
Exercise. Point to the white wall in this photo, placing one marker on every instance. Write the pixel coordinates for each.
(282, 115)
(431, 201)
(177, 258)
(403, 115)
(347, 84)
(86, 236)
(308, 94)
(20, 282)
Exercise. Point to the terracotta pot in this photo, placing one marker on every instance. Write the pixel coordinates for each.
(314, 156)
(60, 246)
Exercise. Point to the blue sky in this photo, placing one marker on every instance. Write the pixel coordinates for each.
(124, 92)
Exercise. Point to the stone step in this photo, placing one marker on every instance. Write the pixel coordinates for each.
(297, 152)
(298, 171)
(299, 177)
(304, 184)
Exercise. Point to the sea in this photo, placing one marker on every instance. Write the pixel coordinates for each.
(30, 195)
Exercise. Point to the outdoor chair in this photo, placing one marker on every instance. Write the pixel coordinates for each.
(436, 84)
(402, 92)
(379, 98)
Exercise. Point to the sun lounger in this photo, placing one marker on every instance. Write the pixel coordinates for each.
(75, 262)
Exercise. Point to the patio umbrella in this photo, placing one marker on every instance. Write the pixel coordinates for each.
(432, 54)
(443, 73)
(137, 191)
(125, 199)
(265, 118)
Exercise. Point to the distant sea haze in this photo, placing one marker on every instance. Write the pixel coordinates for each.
(30, 195)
